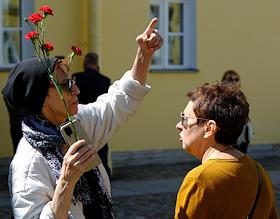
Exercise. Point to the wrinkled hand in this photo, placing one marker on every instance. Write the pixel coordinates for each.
(76, 160)
(150, 41)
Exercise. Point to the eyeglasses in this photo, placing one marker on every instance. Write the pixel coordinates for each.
(233, 79)
(185, 122)
(67, 84)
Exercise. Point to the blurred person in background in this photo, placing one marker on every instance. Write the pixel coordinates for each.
(92, 84)
(247, 133)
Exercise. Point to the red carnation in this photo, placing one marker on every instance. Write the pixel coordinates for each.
(31, 35)
(77, 50)
(47, 10)
(35, 18)
(48, 47)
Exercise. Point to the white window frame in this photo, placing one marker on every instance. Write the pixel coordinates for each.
(26, 49)
(189, 35)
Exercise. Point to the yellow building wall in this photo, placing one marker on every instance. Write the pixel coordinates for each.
(243, 35)
(230, 35)
(6, 148)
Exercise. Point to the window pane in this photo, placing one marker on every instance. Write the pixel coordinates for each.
(175, 55)
(11, 40)
(175, 17)
(11, 13)
(154, 12)
(156, 60)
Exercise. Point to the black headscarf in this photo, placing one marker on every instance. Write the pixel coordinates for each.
(27, 86)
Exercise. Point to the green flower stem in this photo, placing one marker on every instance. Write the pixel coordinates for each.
(38, 41)
(69, 116)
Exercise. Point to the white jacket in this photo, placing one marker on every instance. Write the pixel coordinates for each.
(31, 180)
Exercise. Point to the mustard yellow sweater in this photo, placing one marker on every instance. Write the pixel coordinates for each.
(225, 189)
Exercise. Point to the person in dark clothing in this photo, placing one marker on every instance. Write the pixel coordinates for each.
(92, 84)
(15, 126)
(247, 133)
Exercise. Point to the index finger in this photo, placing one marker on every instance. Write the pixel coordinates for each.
(151, 26)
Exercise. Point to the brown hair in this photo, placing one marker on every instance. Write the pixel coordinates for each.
(226, 105)
(229, 73)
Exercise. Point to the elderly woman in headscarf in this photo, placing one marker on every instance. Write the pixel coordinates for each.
(47, 179)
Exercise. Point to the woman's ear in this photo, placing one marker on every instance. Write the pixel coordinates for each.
(210, 129)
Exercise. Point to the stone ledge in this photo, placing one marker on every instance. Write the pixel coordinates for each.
(4, 165)
(264, 150)
(173, 156)
(150, 157)
(168, 156)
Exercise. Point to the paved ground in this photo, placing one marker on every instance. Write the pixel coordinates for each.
(150, 191)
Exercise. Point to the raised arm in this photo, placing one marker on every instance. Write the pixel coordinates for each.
(148, 42)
